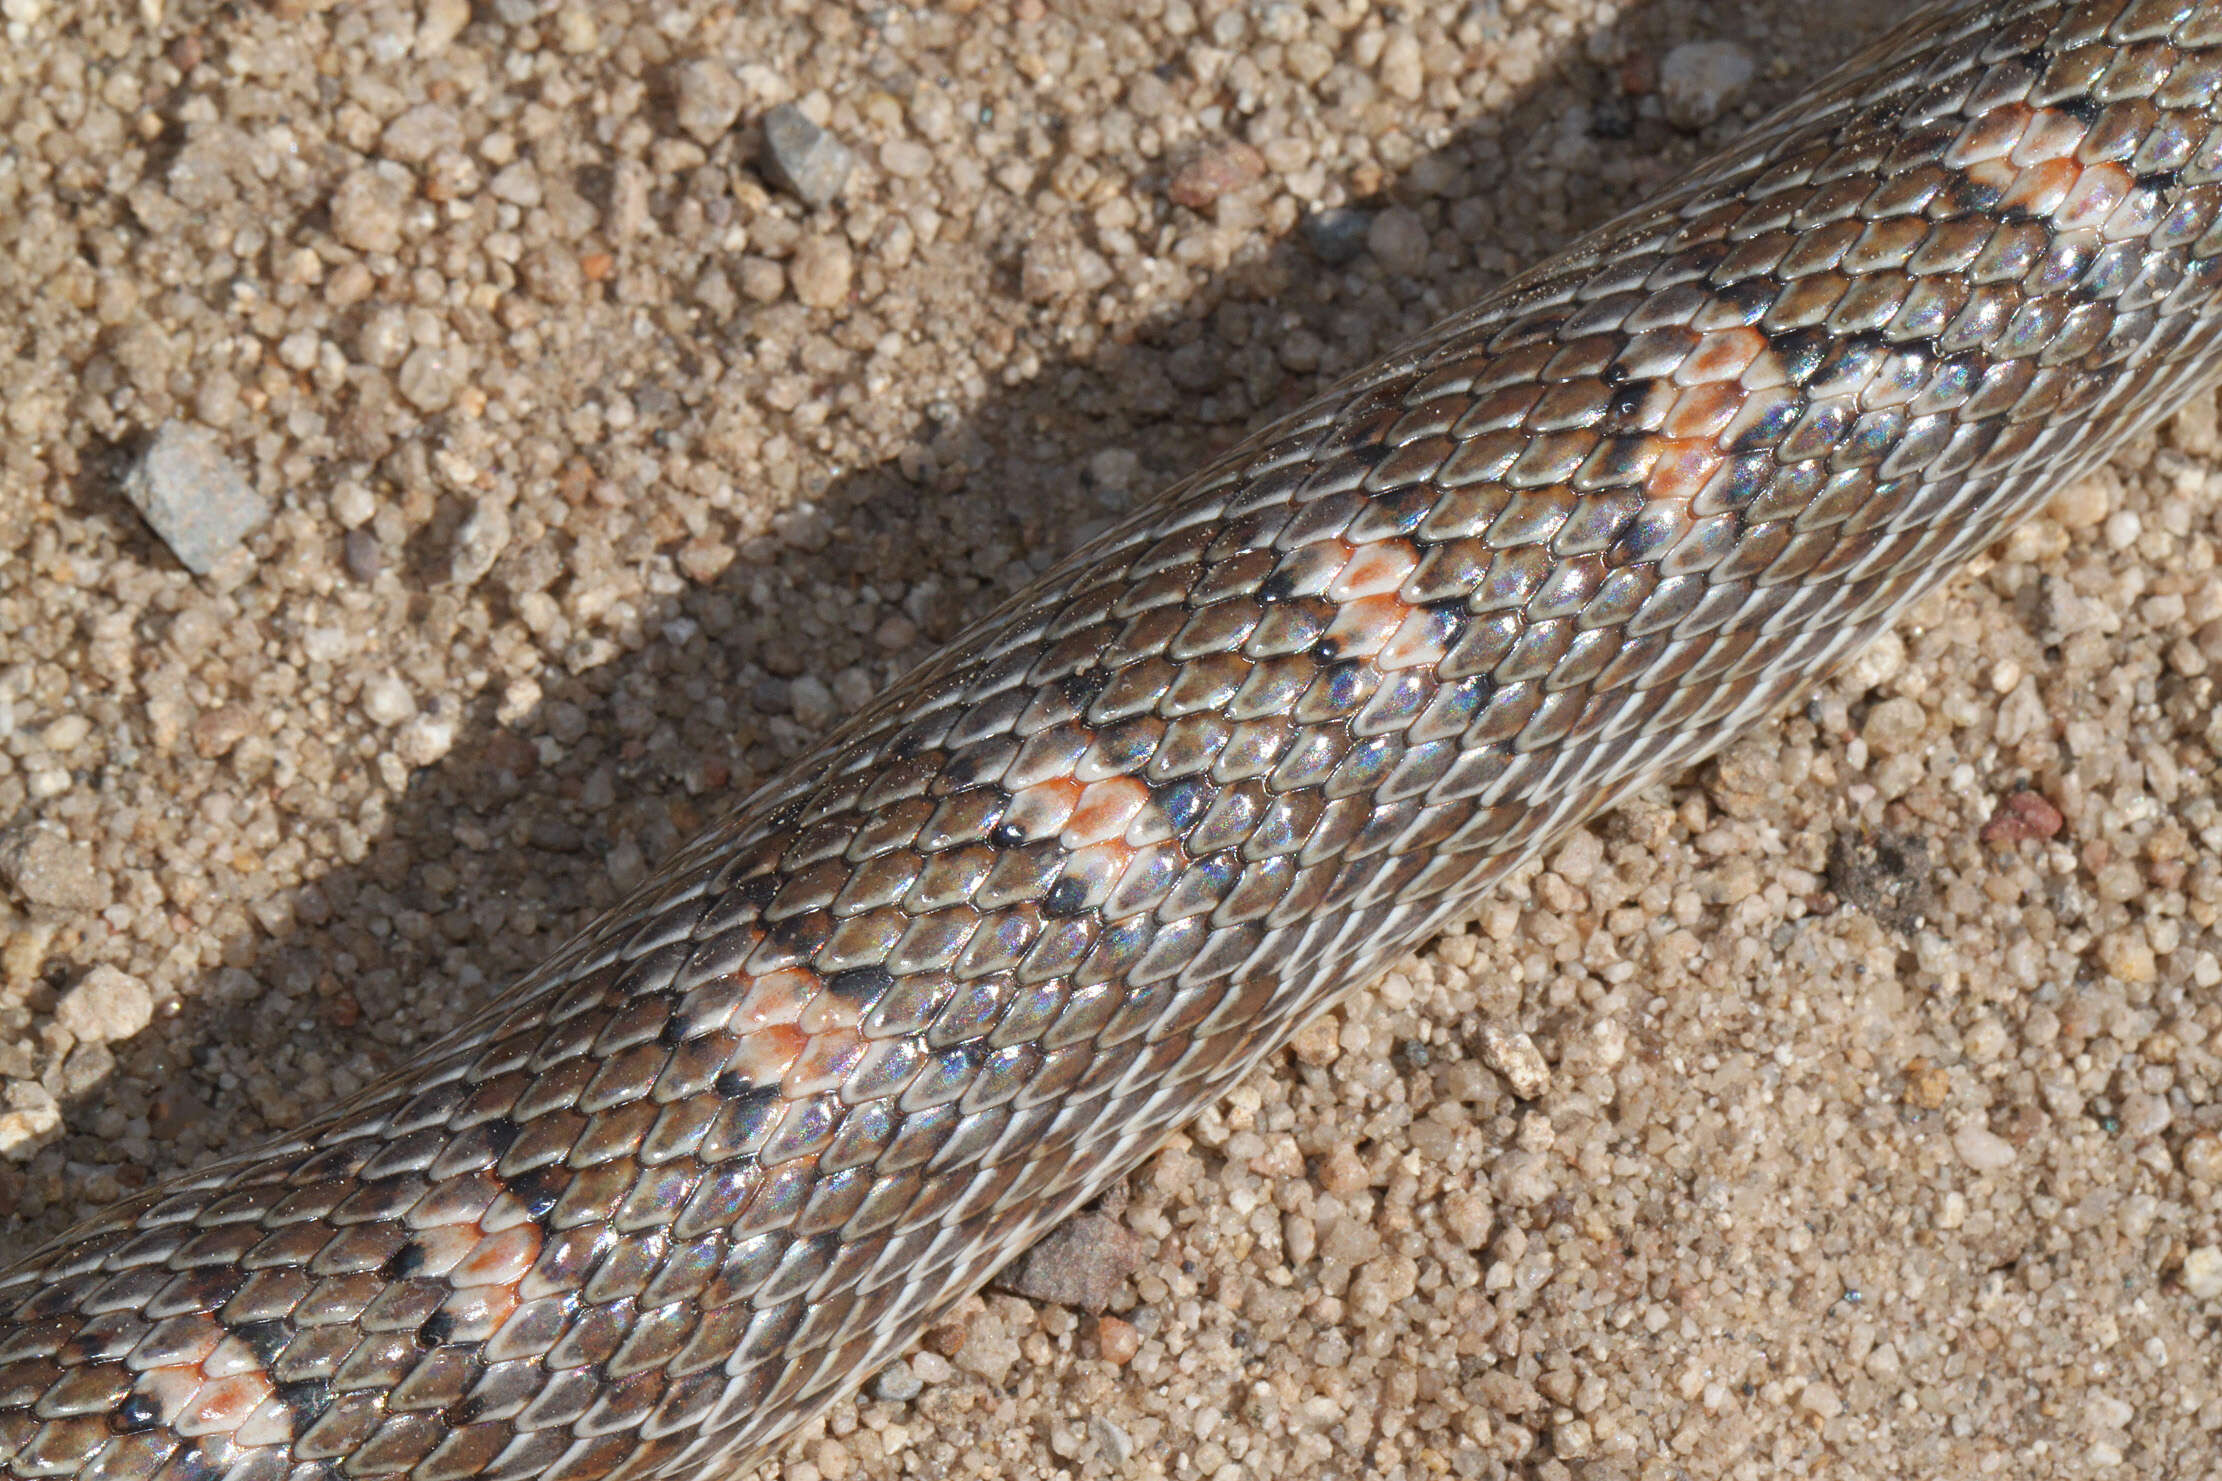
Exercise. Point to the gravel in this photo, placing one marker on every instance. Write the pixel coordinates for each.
(194, 496)
(323, 799)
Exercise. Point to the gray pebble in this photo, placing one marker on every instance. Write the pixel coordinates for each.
(897, 1384)
(360, 551)
(1337, 237)
(1116, 1444)
(805, 159)
(1699, 79)
(193, 496)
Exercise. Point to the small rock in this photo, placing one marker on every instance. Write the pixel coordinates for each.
(366, 211)
(804, 158)
(360, 551)
(1214, 173)
(1514, 1056)
(387, 701)
(1337, 237)
(1699, 79)
(478, 543)
(1117, 1341)
(43, 866)
(218, 730)
(706, 98)
(2202, 1272)
(2022, 815)
(1116, 1444)
(420, 133)
(1981, 1148)
(821, 271)
(1397, 238)
(193, 496)
(897, 1383)
(430, 377)
(1081, 1263)
(107, 1006)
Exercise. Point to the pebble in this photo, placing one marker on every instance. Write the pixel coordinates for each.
(362, 555)
(367, 210)
(1698, 80)
(43, 865)
(1115, 1443)
(804, 159)
(105, 1007)
(897, 1383)
(1337, 236)
(2202, 1272)
(1082, 1263)
(1981, 1148)
(1397, 238)
(821, 272)
(706, 99)
(1214, 173)
(193, 496)
(1514, 1056)
(387, 701)
(479, 542)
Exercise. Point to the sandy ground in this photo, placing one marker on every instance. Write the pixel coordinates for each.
(606, 474)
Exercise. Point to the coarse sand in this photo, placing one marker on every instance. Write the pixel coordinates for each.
(1848, 1108)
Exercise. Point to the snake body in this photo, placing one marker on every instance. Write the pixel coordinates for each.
(985, 946)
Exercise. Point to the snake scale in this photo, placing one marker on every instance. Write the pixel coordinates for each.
(982, 949)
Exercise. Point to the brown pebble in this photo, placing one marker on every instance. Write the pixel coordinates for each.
(1214, 173)
(1116, 1342)
(946, 1338)
(1927, 1087)
(2020, 815)
(1081, 1263)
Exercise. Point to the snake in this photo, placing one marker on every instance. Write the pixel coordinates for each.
(982, 949)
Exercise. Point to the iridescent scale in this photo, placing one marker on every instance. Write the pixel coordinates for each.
(981, 950)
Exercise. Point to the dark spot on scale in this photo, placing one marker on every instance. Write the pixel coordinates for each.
(1971, 197)
(464, 1411)
(860, 984)
(437, 1331)
(1278, 587)
(1750, 298)
(803, 934)
(190, 1464)
(306, 1400)
(403, 1263)
(2160, 181)
(673, 1033)
(540, 1189)
(1065, 897)
(1801, 352)
(1325, 651)
(1082, 689)
(135, 1415)
(2084, 110)
(1007, 836)
(758, 891)
(1628, 396)
(743, 1092)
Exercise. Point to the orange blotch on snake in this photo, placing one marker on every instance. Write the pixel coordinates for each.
(1703, 411)
(1105, 809)
(1363, 628)
(1721, 356)
(1420, 640)
(222, 1406)
(824, 1063)
(1371, 570)
(500, 1259)
(775, 998)
(764, 1056)
(1043, 810)
(1683, 466)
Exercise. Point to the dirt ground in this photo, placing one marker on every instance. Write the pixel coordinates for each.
(1867, 1117)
